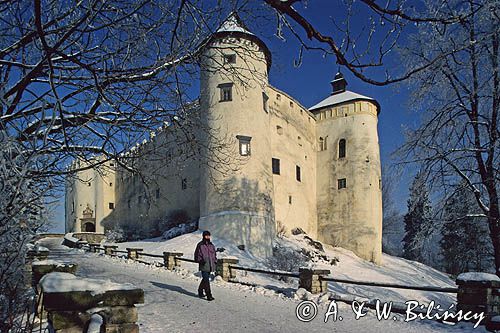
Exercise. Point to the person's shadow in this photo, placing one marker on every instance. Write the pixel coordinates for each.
(174, 288)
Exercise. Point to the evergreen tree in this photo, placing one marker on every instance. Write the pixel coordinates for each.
(464, 244)
(418, 220)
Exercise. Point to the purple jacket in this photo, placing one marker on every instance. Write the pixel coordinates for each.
(205, 256)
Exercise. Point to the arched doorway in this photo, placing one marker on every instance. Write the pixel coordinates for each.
(89, 227)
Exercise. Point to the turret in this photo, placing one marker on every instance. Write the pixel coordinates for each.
(236, 181)
(349, 195)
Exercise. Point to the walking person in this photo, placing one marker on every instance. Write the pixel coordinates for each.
(205, 256)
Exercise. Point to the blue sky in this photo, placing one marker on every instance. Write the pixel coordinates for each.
(310, 83)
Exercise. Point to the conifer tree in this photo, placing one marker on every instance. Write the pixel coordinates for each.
(418, 220)
(463, 245)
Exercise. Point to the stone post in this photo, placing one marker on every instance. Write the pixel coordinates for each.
(33, 254)
(133, 252)
(310, 279)
(224, 270)
(70, 305)
(93, 247)
(108, 249)
(479, 292)
(81, 244)
(170, 259)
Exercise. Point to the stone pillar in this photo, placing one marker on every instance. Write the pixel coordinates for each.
(310, 279)
(81, 244)
(108, 249)
(170, 261)
(93, 247)
(224, 270)
(479, 292)
(70, 305)
(133, 252)
(33, 254)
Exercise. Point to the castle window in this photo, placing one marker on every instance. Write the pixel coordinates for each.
(322, 143)
(110, 184)
(73, 207)
(184, 183)
(342, 183)
(89, 184)
(279, 130)
(157, 193)
(128, 203)
(297, 173)
(111, 164)
(291, 104)
(230, 58)
(265, 98)
(111, 205)
(139, 199)
(342, 148)
(278, 97)
(226, 92)
(244, 144)
(290, 199)
(276, 166)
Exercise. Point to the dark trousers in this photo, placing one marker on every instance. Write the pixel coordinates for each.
(205, 284)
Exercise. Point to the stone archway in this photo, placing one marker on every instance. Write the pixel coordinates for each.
(87, 222)
(89, 227)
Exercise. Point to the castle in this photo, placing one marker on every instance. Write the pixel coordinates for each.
(317, 169)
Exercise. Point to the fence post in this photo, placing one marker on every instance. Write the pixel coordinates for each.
(133, 252)
(310, 279)
(108, 249)
(479, 292)
(223, 268)
(93, 247)
(170, 261)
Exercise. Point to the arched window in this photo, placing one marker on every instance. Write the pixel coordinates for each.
(341, 148)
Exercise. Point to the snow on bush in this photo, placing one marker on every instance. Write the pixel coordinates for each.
(180, 229)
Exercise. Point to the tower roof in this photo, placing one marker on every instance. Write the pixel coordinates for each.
(233, 26)
(340, 95)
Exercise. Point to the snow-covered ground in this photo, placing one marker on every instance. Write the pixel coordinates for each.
(394, 269)
(171, 303)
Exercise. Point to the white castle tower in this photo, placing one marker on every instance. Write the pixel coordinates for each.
(234, 75)
(349, 196)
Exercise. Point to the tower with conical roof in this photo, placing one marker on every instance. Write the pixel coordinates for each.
(236, 193)
(349, 196)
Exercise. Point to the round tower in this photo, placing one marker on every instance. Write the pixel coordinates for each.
(349, 191)
(235, 177)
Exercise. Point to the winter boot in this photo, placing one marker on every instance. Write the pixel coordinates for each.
(209, 292)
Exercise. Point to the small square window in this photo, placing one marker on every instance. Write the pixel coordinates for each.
(279, 129)
(342, 183)
(276, 166)
(278, 97)
(230, 58)
(297, 173)
(111, 205)
(244, 144)
(291, 104)
(226, 92)
(110, 184)
(184, 183)
(111, 164)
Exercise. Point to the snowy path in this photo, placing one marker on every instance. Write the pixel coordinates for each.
(171, 303)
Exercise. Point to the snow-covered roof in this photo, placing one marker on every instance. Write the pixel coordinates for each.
(339, 98)
(233, 24)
